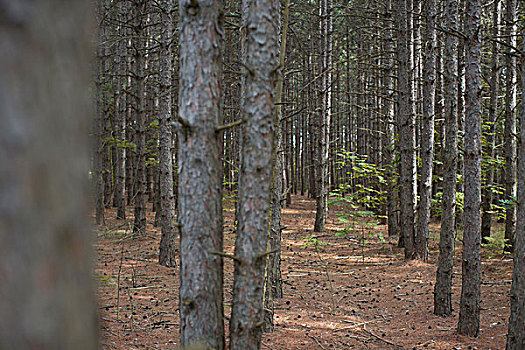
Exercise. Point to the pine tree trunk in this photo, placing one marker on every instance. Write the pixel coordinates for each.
(46, 289)
(471, 281)
(261, 62)
(427, 137)
(516, 335)
(443, 288)
(406, 122)
(139, 224)
(324, 118)
(486, 195)
(388, 107)
(200, 174)
(120, 116)
(510, 125)
(167, 203)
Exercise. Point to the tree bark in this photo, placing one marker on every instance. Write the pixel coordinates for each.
(167, 203)
(471, 267)
(47, 300)
(510, 124)
(443, 288)
(427, 137)
(516, 335)
(200, 174)
(262, 64)
(486, 196)
(139, 224)
(324, 117)
(406, 122)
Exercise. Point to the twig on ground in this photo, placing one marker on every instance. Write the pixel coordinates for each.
(317, 341)
(381, 338)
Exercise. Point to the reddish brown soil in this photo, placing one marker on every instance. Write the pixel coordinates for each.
(340, 295)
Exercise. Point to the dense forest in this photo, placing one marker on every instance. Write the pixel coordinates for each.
(264, 174)
(407, 109)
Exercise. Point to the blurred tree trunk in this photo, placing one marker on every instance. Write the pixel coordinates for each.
(47, 299)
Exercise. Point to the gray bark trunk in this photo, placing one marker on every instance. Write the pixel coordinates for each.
(200, 174)
(486, 196)
(167, 203)
(273, 278)
(139, 224)
(120, 115)
(324, 118)
(262, 64)
(388, 107)
(510, 124)
(443, 288)
(516, 335)
(406, 122)
(471, 267)
(427, 137)
(47, 300)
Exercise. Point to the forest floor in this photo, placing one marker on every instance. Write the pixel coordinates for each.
(340, 292)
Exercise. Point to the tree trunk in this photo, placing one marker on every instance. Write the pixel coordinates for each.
(324, 117)
(388, 107)
(261, 61)
(443, 288)
(200, 174)
(427, 137)
(406, 122)
(139, 224)
(486, 196)
(167, 203)
(510, 125)
(47, 299)
(120, 116)
(273, 283)
(471, 281)
(516, 335)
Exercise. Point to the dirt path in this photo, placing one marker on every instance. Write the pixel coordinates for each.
(338, 292)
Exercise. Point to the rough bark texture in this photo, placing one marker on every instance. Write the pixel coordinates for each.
(200, 174)
(273, 278)
(486, 194)
(139, 224)
(323, 136)
(167, 205)
(510, 124)
(427, 137)
(47, 299)
(406, 122)
(471, 267)
(443, 288)
(516, 335)
(388, 108)
(120, 116)
(261, 63)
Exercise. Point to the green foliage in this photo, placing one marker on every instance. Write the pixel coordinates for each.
(368, 180)
(313, 241)
(496, 246)
(437, 201)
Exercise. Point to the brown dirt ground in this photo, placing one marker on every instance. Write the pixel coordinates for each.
(381, 301)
